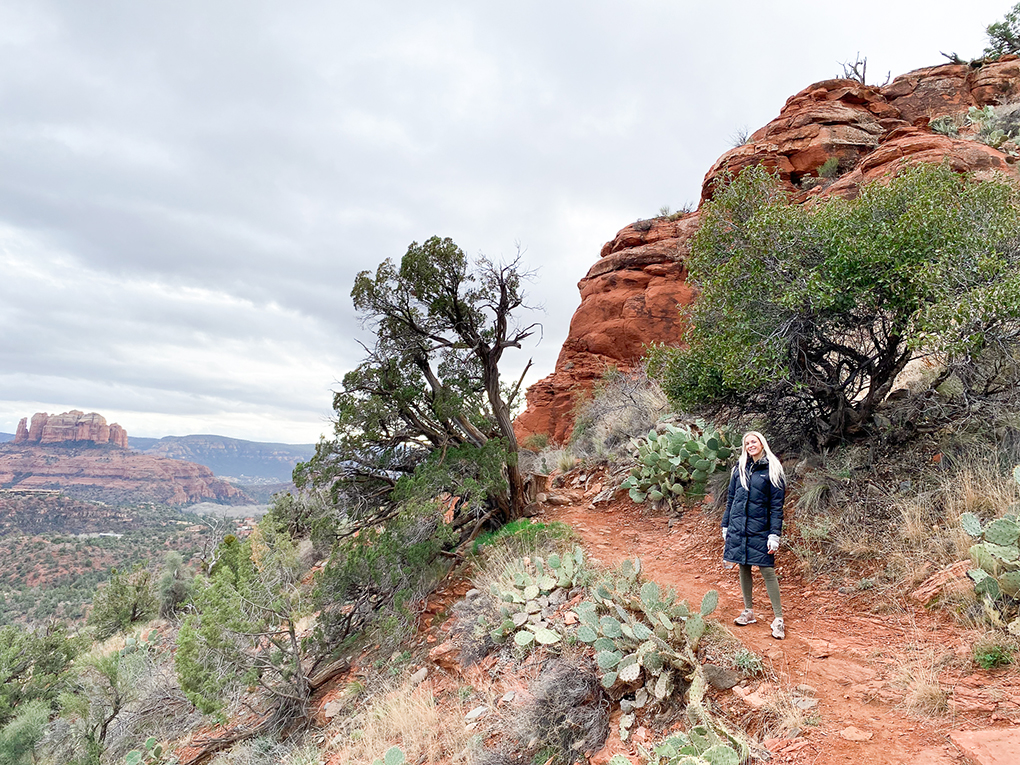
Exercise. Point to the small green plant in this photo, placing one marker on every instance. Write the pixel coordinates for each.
(829, 168)
(152, 754)
(677, 463)
(945, 125)
(748, 663)
(989, 654)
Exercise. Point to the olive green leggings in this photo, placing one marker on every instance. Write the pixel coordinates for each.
(771, 586)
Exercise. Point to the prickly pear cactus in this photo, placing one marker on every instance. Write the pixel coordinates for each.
(996, 555)
(525, 595)
(677, 462)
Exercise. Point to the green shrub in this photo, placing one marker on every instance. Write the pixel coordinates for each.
(126, 599)
(989, 655)
(372, 578)
(829, 168)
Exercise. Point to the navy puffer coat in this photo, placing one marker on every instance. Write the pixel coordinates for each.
(751, 515)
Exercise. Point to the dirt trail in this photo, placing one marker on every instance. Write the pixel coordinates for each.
(861, 653)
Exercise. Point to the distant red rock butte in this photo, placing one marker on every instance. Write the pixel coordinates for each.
(69, 426)
(632, 295)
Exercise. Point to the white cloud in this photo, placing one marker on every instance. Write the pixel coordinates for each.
(188, 189)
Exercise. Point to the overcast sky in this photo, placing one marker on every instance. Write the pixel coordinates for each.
(187, 189)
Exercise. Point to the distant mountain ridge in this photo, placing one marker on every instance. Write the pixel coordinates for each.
(246, 462)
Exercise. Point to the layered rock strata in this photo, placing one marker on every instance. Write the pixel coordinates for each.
(112, 475)
(633, 294)
(74, 426)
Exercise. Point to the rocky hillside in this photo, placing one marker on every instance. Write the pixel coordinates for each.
(243, 462)
(632, 295)
(74, 426)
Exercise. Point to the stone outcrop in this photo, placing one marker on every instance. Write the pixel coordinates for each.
(633, 294)
(73, 426)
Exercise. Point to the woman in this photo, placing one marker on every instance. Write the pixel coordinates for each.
(753, 523)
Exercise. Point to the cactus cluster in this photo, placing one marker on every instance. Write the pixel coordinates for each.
(644, 645)
(536, 585)
(996, 556)
(676, 463)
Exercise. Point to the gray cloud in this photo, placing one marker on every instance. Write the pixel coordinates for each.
(188, 189)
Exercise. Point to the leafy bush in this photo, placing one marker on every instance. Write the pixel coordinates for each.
(374, 577)
(807, 315)
(126, 599)
(991, 654)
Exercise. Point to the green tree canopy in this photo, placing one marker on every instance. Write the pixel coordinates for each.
(429, 387)
(1004, 36)
(817, 309)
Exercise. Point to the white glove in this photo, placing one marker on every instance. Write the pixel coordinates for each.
(724, 534)
(773, 543)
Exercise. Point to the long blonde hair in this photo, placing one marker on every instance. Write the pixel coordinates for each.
(777, 476)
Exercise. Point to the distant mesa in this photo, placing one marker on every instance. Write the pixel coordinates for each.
(73, 426)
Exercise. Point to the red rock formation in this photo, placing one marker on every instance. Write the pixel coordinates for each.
(114, 475)
(70, 426)
(631, 295)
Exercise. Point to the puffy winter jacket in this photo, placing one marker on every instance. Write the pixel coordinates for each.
(751, 515)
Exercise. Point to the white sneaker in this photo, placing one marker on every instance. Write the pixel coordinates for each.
(778, 628)
(746, 617)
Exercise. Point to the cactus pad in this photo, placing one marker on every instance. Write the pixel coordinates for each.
(607, 659)
(586, 634)
(971, 525)
(1002, 532)
(720, 754)
(630, 673)
(610, 627)
(984, 583)
(709, 602)
(1009, 583)
(604, 644)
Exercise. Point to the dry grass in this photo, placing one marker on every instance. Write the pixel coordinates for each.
(425, 728)
(918, 680)
(622, 406)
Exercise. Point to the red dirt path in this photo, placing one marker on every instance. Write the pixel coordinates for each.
(855, 650)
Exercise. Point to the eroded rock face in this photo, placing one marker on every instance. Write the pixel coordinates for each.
(111, 475)
(633, 294)
(69, 426)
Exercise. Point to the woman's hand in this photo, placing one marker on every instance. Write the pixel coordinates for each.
(773, 543)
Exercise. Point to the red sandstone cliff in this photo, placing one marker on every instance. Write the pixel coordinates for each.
(69, 426)
(632, 295)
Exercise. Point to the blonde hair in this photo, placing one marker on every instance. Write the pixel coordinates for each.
(777, 476)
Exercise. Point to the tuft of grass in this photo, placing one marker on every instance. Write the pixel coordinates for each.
(918, 679)
(536, 441)
(426, 728)
(526, 536)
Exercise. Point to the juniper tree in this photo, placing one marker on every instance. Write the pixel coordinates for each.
(428, 393)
